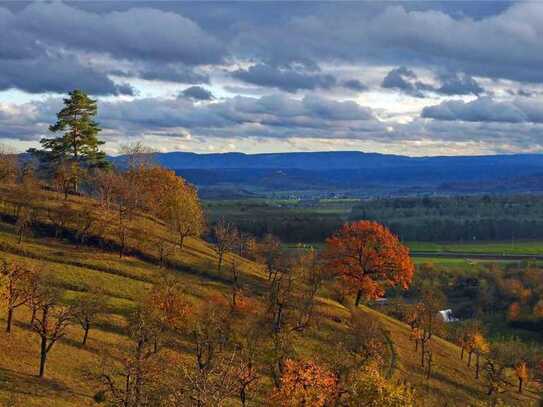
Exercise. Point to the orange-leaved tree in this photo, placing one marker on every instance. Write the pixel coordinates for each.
(370, 259)
(304, 383)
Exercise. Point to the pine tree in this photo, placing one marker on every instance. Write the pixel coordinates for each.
(79, 144)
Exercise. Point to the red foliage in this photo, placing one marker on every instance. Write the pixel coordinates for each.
(369, 257)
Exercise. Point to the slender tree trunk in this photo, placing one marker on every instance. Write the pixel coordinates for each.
(477, 366)
(181, 240)
(520, 380)
(9, 319)
(219, 264)
(422, 346)
(429, 370)
(86, 334)
(242, 396)
(33, 316)
(43, 355)
(358, 297)
(469, 358)
(416, 345)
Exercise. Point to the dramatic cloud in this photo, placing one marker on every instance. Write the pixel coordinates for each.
(355, 85)
(469, 75)
(405, 80)
(459, 85)
(484, 109)
(288, 79)
(137, 33)
(197, 93)
(56, 74)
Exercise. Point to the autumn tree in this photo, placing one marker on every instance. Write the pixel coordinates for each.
(135, 382)
(480, 346)
(369, 388)
(304, 383)
(84, 221)
(51, 322)
(432, 301)
(8, 165)
(103, 183)
(185, 215)
(211, 378)
(224, 234)
(66, 177)
(15, 288)
(270, 251)
(86, 309)
(521, 371)
(60, 217)
(369, 258)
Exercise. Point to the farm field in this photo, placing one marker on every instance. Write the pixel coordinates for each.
(525, 247)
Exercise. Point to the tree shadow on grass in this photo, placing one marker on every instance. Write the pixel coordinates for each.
(12, 381)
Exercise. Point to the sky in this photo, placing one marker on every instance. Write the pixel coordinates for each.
(411, 78)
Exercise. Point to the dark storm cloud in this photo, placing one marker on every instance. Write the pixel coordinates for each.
(355, 85)
(58, 73)
(163, 72)
(405, 80)
(136, 33)
(43, 47)
(484, 109)
(287, 79)
(197, 93)
(459, 85)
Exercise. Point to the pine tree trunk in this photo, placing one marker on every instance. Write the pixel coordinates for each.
(520, 380)
(477, 366)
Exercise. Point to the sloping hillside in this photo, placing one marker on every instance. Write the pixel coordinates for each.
(124, 280)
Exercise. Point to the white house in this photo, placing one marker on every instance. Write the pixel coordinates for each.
(447, 315)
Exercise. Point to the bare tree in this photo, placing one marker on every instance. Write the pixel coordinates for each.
(270, 250)
(225, 237)
(86, 309)
(52, 323)
(16, 288)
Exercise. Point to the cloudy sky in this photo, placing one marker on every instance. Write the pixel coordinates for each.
(416, 78)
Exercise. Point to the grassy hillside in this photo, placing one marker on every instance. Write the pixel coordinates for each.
(80, 268)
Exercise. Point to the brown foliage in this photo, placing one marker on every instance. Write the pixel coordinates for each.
(369, 258)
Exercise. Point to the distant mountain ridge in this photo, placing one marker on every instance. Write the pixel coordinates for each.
(357, 172)
(318, 161)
